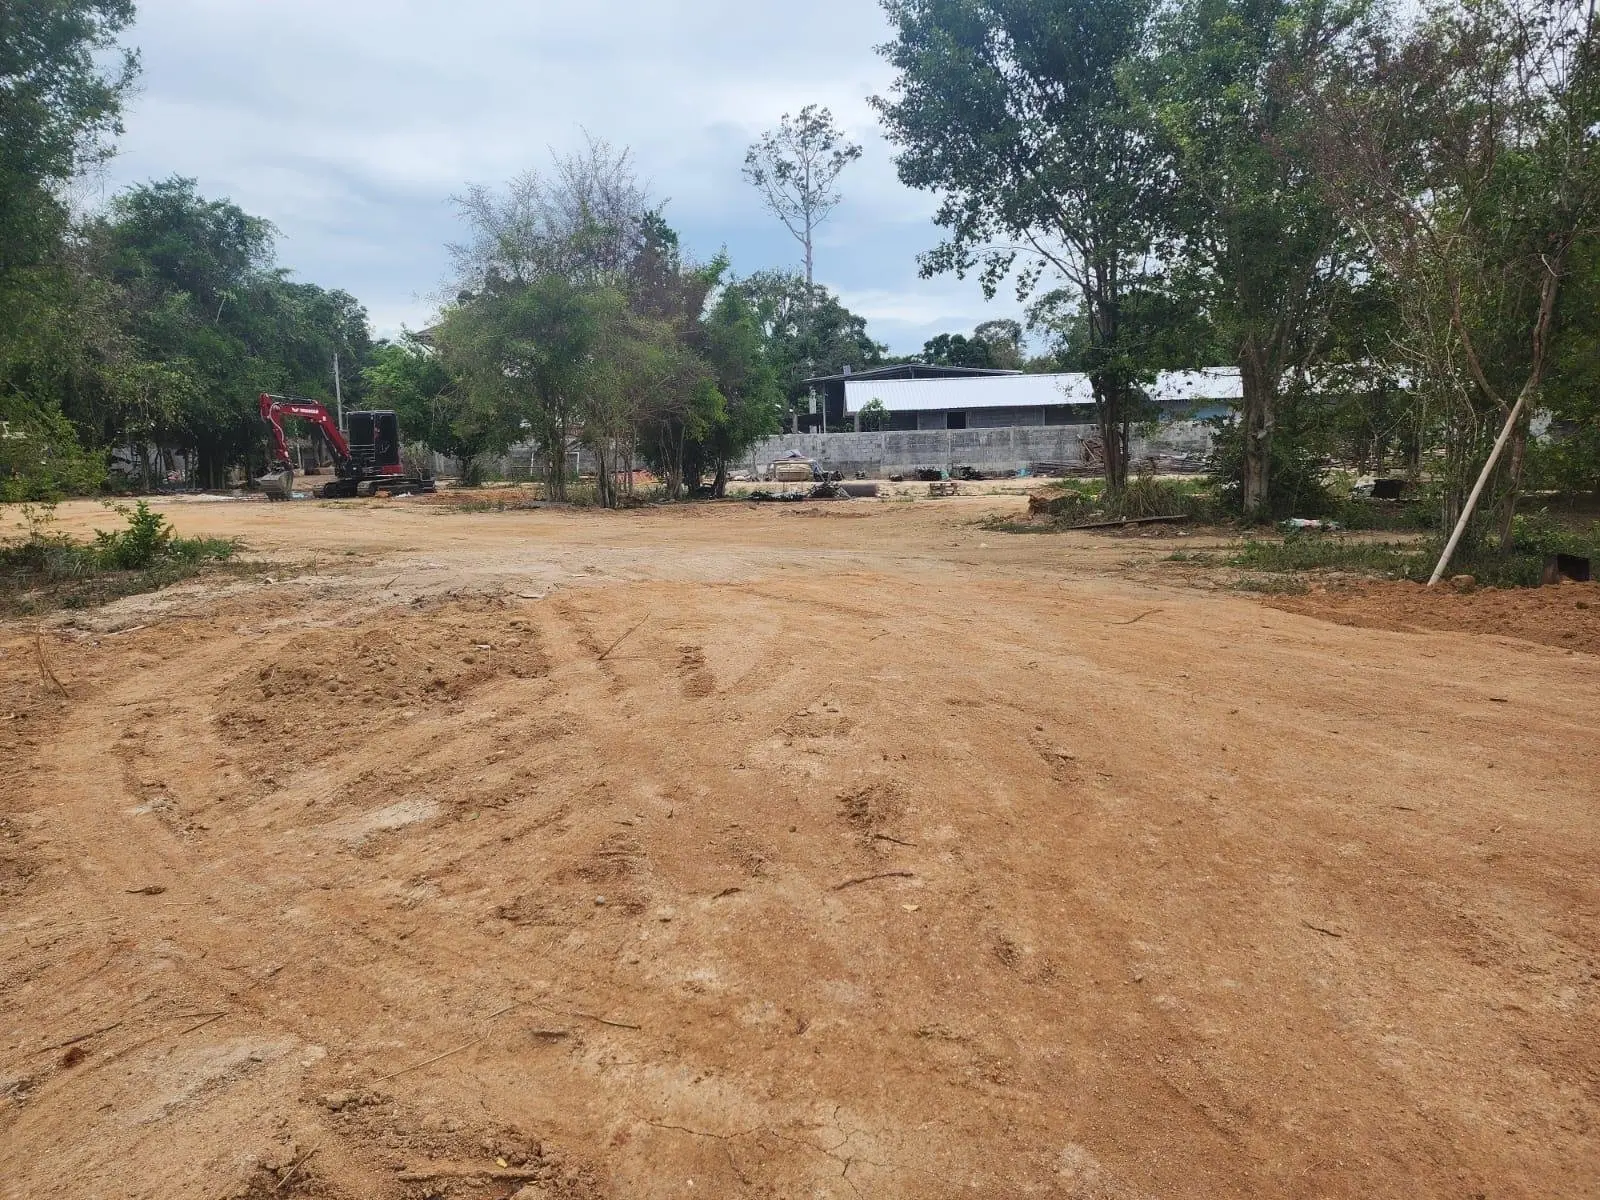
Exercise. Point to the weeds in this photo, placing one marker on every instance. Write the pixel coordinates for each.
(1273, 585)
(1085, 502)
(47, 570)
(1320, 552)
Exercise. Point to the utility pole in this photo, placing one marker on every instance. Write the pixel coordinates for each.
(338, 396)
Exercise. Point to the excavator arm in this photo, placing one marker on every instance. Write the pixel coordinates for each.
(275, 408)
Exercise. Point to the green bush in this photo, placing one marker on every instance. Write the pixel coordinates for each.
(49, 570)
(1082, 502)
(1295, 487)
(146, 539)
(1534, 538)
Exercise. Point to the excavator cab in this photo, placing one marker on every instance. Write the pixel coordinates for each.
(374, 442)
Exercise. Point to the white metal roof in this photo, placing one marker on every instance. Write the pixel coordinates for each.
(1028, 391)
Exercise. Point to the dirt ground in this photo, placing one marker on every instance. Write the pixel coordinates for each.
(838, 850)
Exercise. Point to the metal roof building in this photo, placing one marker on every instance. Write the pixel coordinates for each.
(827, 391)
(997, 401)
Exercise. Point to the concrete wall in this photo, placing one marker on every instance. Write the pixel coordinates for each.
(1010, 449)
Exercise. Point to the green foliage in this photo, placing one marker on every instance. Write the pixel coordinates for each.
(41, 457)
(205, 322)
(1320, 552)
(1252, 241)
(1295, 485)
(412, 379)
(1535, 538)
(806, 332)
(874, 416)
(62, 83)
(1569, 459)
(955, 350)
(46, 570)
(747, 382)
(1081, 502)
(146, 538)
(1020, 117)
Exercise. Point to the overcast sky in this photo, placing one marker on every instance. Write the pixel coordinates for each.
(350, 123)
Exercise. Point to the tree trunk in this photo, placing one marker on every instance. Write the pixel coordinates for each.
(1257, 416)
(1513, 484)
(719, 485)
(1111, 415)
(558, 462)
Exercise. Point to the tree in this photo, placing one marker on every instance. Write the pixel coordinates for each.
(795, 167)
(62, 82)
(410, 377)
(1569, 459)
(1003, 338)
(874, 416)
(1017, 113)
(519, 352)
(1464, 152)
(805, 330)
(954, 350)
(1253, 242)
(205, 321)
(752, 399)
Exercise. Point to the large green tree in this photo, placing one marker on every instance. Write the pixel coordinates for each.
(411, 377)
(1251, 239)
(1019, 115)
(206, 321)
(62, 82)
(746, 380)
(520, 351)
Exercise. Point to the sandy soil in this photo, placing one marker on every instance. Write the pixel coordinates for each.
(830, 851)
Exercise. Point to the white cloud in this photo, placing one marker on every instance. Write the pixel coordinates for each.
(349, 124)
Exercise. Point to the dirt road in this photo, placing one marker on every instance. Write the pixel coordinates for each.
(830, 851)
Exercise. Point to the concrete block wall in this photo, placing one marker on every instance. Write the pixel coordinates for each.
(1008, 449)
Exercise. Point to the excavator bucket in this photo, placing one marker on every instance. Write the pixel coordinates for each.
(277, 485)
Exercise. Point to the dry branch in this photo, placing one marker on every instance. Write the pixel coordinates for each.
(839, 887)
(44, 663)
(622, 639)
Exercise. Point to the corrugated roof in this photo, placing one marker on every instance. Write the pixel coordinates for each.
(1028, 391)
(911, 370)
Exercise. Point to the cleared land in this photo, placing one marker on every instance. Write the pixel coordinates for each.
(838, 850)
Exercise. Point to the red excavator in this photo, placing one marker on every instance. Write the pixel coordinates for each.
(365, 463)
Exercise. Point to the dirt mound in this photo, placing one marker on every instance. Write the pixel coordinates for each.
(373, 675)
(1567, 616)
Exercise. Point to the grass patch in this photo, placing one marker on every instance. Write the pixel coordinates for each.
(1321, 552)
(1071, 502)
(1273, 585)
(47, 570)
(483, 504)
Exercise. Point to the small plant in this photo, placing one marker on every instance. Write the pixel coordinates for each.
(146, 539)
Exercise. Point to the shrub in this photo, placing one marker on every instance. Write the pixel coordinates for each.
(50, 570)
(1295, 487)
(146, 539)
